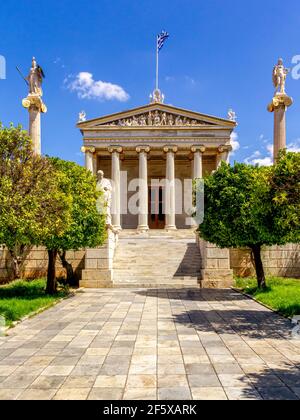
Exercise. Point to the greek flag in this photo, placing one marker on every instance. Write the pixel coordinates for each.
(161, 38)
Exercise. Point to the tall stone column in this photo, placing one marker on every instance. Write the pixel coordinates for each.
(35, 107)
(170, 204)
(143, 188)
(223, 154)
(197, 163)
(279, 105)
(116, 179)
(34, 104)
(89, 158)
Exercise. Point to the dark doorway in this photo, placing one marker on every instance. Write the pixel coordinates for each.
(156, 207)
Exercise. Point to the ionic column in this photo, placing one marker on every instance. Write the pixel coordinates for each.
(143, 188)
(279, 106)
(170, 204)
(197, 165)
(116, 193)
(89, 158)
(223, 154)
(35, 107)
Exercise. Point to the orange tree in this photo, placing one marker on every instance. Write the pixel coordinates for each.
(244, 207)
(31, 203)
(85, 227)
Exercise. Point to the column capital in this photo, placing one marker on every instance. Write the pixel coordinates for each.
(200, 149)
(115, 149)
(224, 148)
(168, 149)
(86, 149)
(145, 149)
(280, 100)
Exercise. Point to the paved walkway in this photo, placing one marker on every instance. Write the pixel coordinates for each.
(150, 344)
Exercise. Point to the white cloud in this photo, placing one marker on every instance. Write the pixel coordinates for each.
(257, 157)
(88, 88)
(234, 143)
(294, 146)
(266, 158)
(266, 161)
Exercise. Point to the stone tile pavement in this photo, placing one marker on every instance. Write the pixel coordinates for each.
(151, 344)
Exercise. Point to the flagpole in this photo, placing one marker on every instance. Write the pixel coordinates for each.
(156, 64)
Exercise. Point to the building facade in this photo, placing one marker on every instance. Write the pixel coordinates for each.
(164, 148)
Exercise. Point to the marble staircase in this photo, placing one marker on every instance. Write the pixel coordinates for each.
(157, 259)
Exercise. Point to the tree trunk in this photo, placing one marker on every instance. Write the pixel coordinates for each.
(51, 287)
(259, 268)
(18, 255)
(71, 280)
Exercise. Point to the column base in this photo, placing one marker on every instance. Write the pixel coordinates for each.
(143, 228)
(170, 227)
(117, 228)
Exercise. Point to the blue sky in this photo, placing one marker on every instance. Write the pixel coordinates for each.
(220, 55)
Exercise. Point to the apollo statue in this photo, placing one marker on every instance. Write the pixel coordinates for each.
(279, 77)
(104, 202)
(35, 79)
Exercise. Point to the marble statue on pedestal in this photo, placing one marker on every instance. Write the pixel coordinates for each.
(104, 202)
(35, 105)
(279, 105)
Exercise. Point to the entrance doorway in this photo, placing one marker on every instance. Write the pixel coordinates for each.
(156, 207)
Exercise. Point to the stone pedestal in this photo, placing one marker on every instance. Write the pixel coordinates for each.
(215, 266)
(278, 106)
(98, 272)
(35, 107)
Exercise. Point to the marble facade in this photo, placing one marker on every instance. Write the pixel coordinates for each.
(156, 141)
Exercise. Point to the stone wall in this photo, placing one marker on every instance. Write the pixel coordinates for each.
(36, 264)
(281, 261)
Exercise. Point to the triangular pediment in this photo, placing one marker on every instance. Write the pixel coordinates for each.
(155, 115)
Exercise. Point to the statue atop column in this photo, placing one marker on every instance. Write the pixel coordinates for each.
(34, 103)
(279, 105)
(104, 202)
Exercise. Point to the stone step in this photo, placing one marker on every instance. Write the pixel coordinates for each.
(157, 259)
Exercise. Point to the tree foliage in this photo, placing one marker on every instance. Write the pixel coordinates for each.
(285, 194)
(250, 206)
(86, 227)
(31, 204)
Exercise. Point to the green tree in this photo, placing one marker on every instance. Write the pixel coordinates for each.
(86, 227)
(285, 194)
(239, 211)
(31, 204)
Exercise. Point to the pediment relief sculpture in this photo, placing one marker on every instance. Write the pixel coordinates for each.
(157, 119)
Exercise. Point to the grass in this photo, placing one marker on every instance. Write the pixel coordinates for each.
(282, 294)
(21, 298)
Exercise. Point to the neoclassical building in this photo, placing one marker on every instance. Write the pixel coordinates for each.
(153, 143)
